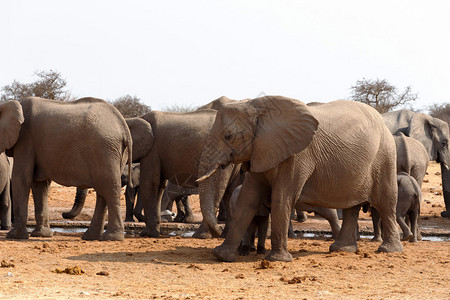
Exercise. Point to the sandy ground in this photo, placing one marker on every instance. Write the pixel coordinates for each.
(184, 268)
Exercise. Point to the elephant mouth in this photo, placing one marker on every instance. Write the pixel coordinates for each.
(440, 161)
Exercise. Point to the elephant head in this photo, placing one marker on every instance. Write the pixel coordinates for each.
(433, 133)
(11, 119)
(142, 135)
(263, 131)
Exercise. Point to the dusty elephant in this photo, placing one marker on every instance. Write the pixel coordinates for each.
(412, 158)
(408, 205)
(5, 192)
(84, 143)
(294, 151)
(433, 133)
(169, 149)
(130, 194)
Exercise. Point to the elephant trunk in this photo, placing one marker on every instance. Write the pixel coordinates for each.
(207, 191)
(80, 198)
(445, 173)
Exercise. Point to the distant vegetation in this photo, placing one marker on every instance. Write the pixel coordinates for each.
(441, 111)
(130, 106)
(381, 95)
(180, 109)
(49, 85)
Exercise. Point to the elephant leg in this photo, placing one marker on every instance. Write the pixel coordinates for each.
(40, 195)
(291, 232)
(331, 216)
(407, 234)
(5, 208)
(391, 240)
(139, 206)
(115, 229)
(263, 227)
(445, 174)
(98, 220)
(130, 196)
(281, 206)
(301, 216)
(347, 238)
(181, 214)
(249, 201)
(414, 217)
(376, 221)
(189, 214)
(248, 241)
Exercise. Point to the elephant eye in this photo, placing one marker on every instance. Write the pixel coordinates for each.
(228, 137)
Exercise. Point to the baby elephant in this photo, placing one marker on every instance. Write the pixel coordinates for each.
(408, 205)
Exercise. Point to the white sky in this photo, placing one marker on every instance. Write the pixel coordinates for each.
(191, 52)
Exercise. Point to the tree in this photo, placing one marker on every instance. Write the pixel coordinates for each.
(179, 109)
(130, 106)
(440, 111)
(381, 95)
(49, 85)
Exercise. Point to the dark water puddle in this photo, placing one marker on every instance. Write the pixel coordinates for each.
(189, 233)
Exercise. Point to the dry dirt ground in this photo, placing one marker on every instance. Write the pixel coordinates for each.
(173, 267)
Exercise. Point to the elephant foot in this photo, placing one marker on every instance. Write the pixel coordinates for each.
(407, 236)
(343, 247)
(202, 233)
(150, 232)
(302, 217)
(394, 246)
(112, 236)
(223, 253)
(42, 232)
(18, 233)
(445, 214)
(91, 235)
(414, 240)
(244, 250)
(261, 250)
(279, 255)
(292, 234)
(419, 236)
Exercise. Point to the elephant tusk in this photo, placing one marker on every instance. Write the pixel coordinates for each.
(445, 166)
(207, 175)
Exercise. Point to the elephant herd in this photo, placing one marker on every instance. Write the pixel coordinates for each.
(282, 155)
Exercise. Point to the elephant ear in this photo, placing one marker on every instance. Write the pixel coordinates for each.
(142, 135)
(420, 129)
(284, 127)
(11, 119)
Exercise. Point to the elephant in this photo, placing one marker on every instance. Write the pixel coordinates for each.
(83, 143)
(130, 194)
(408, 205)
(412, 158)
(314, 155)
(169, 149)
(259, 224)
(5, 192)
(179, 195)
(433, 133)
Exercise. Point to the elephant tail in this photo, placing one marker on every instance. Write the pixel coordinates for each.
(129, 145)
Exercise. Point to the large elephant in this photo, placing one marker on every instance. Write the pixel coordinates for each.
(172, 152)
(5, 192)
(84, 143)
(336, 155)
(433, 133)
